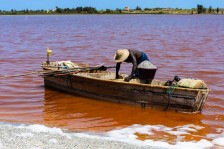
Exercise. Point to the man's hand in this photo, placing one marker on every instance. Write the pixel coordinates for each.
(102, 68)
(127, 79)
(117, 76)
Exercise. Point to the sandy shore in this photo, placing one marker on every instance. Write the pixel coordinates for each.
(41, 137)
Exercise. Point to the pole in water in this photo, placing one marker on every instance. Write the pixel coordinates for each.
(49, 52)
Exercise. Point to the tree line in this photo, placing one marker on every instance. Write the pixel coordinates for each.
(200, 9)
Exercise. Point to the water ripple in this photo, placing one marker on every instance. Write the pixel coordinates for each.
(184, 45)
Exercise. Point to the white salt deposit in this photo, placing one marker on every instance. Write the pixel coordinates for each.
(53, 141)
(219, 141)
(45, 137)
(25, 135)
(42, 128)
(1, 146)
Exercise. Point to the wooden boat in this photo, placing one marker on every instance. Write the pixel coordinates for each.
(94, 83)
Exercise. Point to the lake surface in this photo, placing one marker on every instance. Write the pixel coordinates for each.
(183, 45)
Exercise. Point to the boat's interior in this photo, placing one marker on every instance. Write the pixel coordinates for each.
(92, 73)
(95, 72)
(111, 76)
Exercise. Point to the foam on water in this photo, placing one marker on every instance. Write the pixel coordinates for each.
(128, 135)
(41, 128)
(219, 141)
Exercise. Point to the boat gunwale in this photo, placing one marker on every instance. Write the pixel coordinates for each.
(134, 83)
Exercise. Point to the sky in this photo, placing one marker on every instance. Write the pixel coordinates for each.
(106, 4)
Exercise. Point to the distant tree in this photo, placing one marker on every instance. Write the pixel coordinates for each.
(14, 11)
(89, 10)
(200, 9)
(217, 10)
(73, 10)
(58, 10)
(138, 8)
(66, 10)
(161, 12)
(79, 9)
(147, 9)
(210, 9)
(118, 10)
(204, 10)
(108, 11)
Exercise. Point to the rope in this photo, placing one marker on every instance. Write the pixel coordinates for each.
(170, 91)
(18, 75)
(31, 73)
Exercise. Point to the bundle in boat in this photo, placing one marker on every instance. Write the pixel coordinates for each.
(192, 83)
(62, 65)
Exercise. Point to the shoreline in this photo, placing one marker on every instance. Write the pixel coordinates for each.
(195, 14)
(36, 136)
(21, 136)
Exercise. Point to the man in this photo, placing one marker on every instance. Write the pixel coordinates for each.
(137, 58)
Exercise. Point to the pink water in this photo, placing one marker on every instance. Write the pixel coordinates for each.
(183, 45)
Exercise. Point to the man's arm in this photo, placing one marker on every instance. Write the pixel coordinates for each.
(134, 67)
(118, 65)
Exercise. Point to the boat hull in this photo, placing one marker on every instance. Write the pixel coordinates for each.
(146, 95)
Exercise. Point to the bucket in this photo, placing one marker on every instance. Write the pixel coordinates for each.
(146, 70)
(147, 74)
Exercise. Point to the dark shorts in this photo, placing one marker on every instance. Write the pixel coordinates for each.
(144, 58)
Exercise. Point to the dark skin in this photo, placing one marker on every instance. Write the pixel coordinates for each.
(133, 58)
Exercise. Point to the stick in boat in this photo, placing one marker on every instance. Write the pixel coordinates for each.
(75, 70)
(57, 72)
(98, 67)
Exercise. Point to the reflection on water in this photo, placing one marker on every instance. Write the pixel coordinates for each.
(82, 114)
(186, 45)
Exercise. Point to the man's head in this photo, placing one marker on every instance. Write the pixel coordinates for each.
(121, 55)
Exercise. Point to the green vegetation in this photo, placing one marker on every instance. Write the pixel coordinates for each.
(201, 9)
(138, 10)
